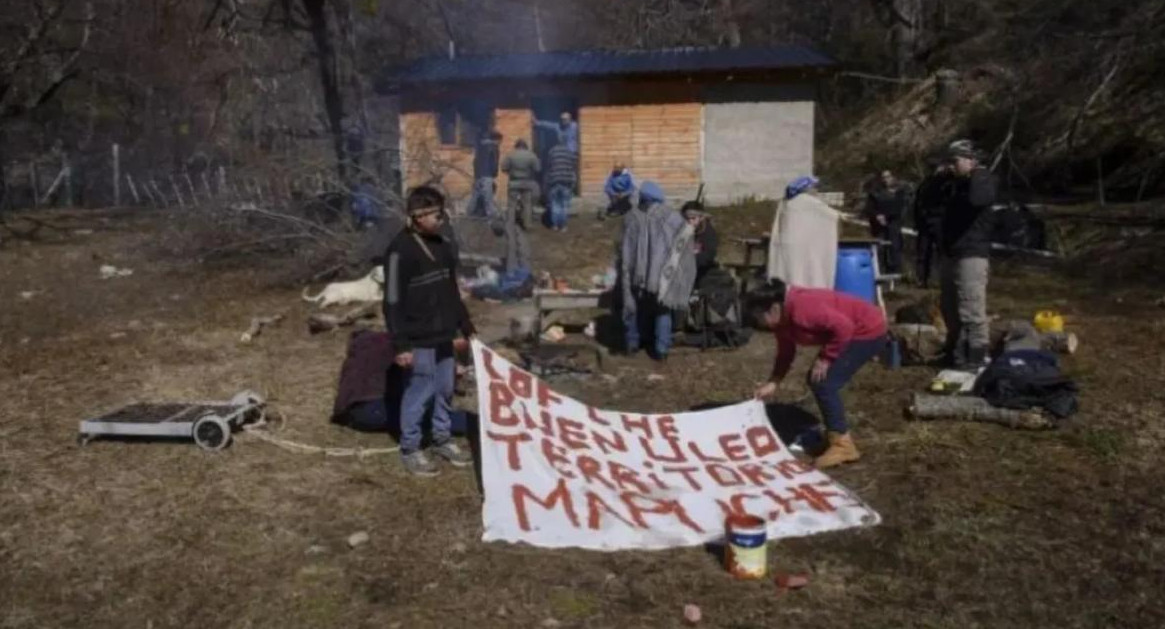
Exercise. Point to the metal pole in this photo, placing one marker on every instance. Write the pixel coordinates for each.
(116, 175)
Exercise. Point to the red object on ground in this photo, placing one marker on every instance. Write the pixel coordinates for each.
(787, 581)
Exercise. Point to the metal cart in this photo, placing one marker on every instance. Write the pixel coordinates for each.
(209, 424)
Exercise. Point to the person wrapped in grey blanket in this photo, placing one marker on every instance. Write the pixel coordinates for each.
(657, 269)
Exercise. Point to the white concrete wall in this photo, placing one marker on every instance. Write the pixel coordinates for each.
(755, 148)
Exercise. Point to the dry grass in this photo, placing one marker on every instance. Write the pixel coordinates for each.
(983, 527)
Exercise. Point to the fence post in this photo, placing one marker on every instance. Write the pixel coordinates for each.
(190, 184)
(222, 180)
(34, 181)
(116, 175)
(137, 200)
(161, 197)
(177, 193)
(67, 171)
(206, 186)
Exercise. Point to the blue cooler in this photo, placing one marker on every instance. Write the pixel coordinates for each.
(855, 272)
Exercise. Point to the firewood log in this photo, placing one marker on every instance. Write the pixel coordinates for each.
(974, 409)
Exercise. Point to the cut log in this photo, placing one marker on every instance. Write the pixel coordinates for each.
(974, 409)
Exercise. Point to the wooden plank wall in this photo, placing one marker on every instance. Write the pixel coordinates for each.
(661, 143)
(424, 157)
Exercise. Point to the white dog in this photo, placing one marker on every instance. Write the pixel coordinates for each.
(368, 288)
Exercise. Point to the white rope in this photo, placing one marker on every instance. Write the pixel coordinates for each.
(258, 430)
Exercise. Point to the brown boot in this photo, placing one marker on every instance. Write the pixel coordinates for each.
(841, 450)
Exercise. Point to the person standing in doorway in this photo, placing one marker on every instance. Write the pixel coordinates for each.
(424, 314)
(850, 331)
(566, 129)
(929, 201)
(485, 175)
(522, 166)
(966, 248)
(561, 176)
(885, 208)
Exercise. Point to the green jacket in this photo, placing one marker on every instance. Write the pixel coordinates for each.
(523, 166)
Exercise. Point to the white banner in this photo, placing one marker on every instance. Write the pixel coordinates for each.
(558, 473)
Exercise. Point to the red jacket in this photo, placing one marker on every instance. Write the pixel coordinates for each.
(826, 318)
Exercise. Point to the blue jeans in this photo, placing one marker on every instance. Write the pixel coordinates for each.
(429, 380)
(481, 202)
(560, 196)
(828, 391)
(645, 314)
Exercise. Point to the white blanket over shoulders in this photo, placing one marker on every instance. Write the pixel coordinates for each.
(803, 249)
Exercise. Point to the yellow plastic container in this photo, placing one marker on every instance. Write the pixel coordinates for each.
(1048, 321)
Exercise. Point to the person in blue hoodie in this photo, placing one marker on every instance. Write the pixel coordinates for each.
(650, 235)
(620, 188)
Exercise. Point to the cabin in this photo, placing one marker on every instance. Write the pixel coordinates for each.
(738, 121)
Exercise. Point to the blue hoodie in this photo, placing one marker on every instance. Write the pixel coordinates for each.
(618, 184)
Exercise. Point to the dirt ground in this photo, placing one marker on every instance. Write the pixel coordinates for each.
(984, 527)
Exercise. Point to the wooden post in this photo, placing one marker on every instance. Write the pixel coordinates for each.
(1100, 181)
(116, 175)
(67, 171)
(133, 189)
(946, 86)
(34, 181)
(222, 180)
(158, 191)
(177, 193)
(206, 187)
(146, 189)
(190, 184)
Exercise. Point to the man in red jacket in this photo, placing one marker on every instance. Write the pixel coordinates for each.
(850, 332)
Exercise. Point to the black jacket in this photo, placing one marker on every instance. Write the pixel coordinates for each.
(889, 203)
(422, 302)
(968, 220)
(707, 242)
(485, 159)
(930, 199)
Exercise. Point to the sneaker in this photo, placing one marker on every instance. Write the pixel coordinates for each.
(418, 464)
(454, 454)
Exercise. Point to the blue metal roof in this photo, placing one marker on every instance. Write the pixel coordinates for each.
(597, 63)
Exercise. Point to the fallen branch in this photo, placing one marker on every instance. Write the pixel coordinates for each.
(974, 409)
(257, 325)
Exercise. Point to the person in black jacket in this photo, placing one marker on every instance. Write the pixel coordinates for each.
(929, 201)
(705, 241)
(485, 174)
(424, 313)
(885, 208)
(966, 247)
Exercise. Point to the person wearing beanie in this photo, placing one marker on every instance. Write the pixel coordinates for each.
(649, 240)
(850, 331)
(424, 314)
(965, 247)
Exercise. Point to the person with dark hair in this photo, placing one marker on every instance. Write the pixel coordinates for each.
(522, 166)
(850, 332)
(885, 209)
(705, 240)
(967, 225)
(929, 200)
(485, 174)
(423, 313)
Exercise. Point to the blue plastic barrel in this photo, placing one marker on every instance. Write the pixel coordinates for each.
(855, 273)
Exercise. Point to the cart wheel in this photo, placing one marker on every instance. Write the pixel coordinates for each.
(212, 433)
(247, 398)
(83, 439)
